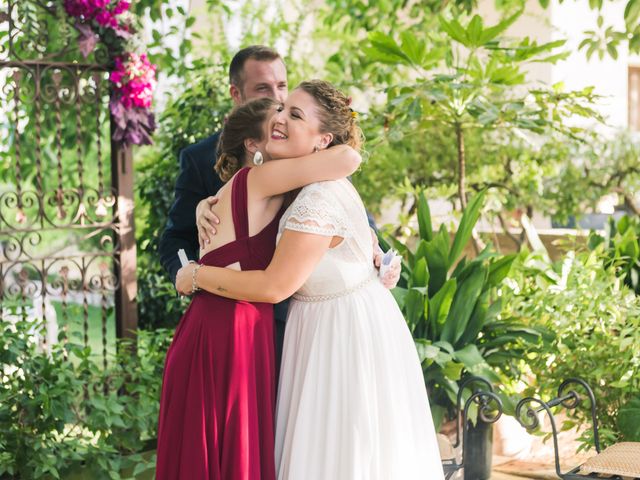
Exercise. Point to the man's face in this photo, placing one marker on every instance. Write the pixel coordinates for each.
(261, 79)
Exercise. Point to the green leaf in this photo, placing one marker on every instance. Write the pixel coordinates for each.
(629, 420)
(474, 30)
(437, 262)
(469, 356)
(424, 218)
(414, 48)
(492, 32)
(420, 276)
(446, 346)
(477, 320)
(399, 294)
(425, 350)
(632, 12)
(467, 223)
(438, 413)
(453, 370)
(463, 304)
(422, 250)
(414, 308)
(440, 305)
(455, 31)
(499, 269)
(387, 48)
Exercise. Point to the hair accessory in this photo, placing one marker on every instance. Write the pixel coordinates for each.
(258, 159)
(354, 114)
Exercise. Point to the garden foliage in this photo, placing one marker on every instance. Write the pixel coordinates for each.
(595, 318)
(61, 413)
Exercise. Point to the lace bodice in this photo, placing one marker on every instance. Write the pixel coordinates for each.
(333, 208)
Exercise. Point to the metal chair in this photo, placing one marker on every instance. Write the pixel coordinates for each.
(528, 409)
(489, 411)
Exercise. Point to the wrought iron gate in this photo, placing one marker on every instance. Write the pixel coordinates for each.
(67, 246)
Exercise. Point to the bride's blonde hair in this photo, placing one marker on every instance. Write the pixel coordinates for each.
(336, 115)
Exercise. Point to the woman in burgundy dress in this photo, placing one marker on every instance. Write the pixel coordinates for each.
(218, 393)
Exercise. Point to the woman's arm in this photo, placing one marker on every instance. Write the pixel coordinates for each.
(295, 258)
(280, 176)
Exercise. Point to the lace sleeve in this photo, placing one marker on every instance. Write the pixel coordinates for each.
(316, 210)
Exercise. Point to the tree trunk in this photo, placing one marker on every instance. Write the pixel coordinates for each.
(461, 166)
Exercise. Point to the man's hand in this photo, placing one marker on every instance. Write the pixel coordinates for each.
(184, 279)
(205, 220)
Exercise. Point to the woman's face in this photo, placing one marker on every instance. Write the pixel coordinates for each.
(294, 130)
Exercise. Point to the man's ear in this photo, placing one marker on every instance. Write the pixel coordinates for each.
(236, 94)
(326, 139)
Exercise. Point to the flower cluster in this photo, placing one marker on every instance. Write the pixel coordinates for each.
(104, 12)
(133, 79)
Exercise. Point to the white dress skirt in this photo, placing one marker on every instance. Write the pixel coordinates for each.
(352, 404)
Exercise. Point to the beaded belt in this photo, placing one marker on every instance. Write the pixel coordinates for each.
(322, 298)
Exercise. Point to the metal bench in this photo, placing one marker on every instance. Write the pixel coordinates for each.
(529, 408)
(489, 411)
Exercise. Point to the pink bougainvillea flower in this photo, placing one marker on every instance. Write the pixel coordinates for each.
(133, 76)
(134, 79)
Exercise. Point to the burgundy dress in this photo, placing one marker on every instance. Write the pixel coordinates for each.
(218, 391)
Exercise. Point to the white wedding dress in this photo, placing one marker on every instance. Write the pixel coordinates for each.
(352, 403)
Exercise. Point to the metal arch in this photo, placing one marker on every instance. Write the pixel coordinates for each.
(57, 106)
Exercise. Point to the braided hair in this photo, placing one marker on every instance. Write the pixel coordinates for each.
(336, 115)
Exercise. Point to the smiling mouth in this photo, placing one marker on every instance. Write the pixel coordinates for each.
(278, 135)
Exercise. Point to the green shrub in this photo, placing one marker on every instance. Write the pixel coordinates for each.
(61, 412)
(622, 248)
(596, 321)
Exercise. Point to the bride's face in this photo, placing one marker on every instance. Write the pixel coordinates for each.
(294, 130)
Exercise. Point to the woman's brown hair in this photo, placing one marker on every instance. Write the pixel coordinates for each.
(245, 121)
(336, 115)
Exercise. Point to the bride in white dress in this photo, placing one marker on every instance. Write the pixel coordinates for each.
(352, 403)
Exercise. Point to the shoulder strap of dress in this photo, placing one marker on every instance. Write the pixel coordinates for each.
(239, 207)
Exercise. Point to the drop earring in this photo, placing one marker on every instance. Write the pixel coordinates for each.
(315, 149)
(257, 158)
